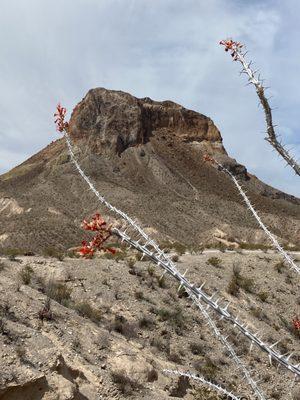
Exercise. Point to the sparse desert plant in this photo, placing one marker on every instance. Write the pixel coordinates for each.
(53, 252)
(239, 281)
(280, 267)
(86, 310)
(146, 322)
(139, 295)
(214, 261)
(207, 367)
(21, 352)
(152, 375)
(198, 348)
(59, 292)
(45, 313)
(263, 296)
(124, 383)
(25, 274)
(126, 328)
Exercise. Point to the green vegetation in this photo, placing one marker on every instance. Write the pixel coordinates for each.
(26, 274)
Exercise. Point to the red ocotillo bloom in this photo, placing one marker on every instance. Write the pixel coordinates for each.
(296, 323)
(60, 115)
(97, 224)
(232, 46)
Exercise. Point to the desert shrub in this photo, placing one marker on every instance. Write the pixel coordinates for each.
(45, 313)
(175, 257)
(263, 296)
(174, 317)
(124, 383)
(280, 267)
(131, 262)
(160, 343)
(11, 252)
(233, 288)
(175, 358)
(207, 367)
(238, 281)
(163, 314)
(121, 325)
(25, 274)
(118, 256)
(205, 394)
(59, 292)
(86, 310)
(214, 261)
(139, 295)
(259, 313)
(254, 246)
(180, 248)
(139, 257)
(53, 252)
(161, 280)
(146, 322)
(150, 270)
(152, 375)
(197, 348)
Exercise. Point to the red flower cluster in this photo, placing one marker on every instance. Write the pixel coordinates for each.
(232, 46)
(296, 323)
(60, 115)
(208, 158)
(97, 224)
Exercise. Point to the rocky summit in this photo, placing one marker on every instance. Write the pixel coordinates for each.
(146, 157)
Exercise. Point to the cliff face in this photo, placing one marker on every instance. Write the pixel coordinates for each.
(119, 120)
(146, 157)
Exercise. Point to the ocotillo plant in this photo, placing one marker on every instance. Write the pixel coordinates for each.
(255, 214)
(150, 249)
(62, 126)
(237, 53)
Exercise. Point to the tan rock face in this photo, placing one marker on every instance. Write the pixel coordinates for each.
(120, 120)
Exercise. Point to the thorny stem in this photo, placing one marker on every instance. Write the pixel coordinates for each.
(198, 378)
(236, 51)
(270, 235)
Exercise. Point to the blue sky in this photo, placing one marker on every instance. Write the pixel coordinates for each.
(163, 49)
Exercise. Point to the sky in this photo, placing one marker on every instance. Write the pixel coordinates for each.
(164, 49)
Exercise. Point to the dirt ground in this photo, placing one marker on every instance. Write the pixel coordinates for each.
(113, 325)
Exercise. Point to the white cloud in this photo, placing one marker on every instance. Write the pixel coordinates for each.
(166, 50)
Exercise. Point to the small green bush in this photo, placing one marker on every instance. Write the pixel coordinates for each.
(26, 274)
(59, 292)
(53, 252)
(124, 383)
(86, 310)
(214, 261)
(121, 325)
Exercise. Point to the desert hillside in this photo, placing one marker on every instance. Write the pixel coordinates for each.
(146, 157)
(113, 326)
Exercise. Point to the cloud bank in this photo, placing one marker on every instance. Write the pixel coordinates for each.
(167, 49)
